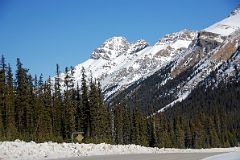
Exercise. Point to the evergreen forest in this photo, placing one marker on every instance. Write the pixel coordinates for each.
(34, 109)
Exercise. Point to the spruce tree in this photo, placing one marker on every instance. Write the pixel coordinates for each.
(57, 107)
(72, 107)
(118, 124)
(85, 106)
(126, 125)
(11, 130)
(69, 103)
(105, 130)
(78, 106)
(44, 123)
(100, 126)
(122, 125)
(47, 109)
(151, 127)
(139, 130)
(29, 109)
(21, 98)
(39, 130)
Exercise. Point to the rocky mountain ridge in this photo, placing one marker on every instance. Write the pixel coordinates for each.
(187, 58)
(118, 63)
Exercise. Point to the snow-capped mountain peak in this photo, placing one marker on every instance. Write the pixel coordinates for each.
(117, 63)
(111, 48)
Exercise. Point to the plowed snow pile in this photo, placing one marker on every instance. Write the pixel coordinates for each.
(50, 150)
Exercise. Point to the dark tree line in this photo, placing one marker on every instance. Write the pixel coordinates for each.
(34, 109)
(207, 118)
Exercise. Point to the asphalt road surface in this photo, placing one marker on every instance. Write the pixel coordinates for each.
(162, 156)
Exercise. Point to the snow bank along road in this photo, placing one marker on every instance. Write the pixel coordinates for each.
(161, 156)
(20, 150)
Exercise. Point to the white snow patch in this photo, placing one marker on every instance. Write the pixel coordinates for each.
(20, 150)
(181, 44)
(180, 98)
(227, 26)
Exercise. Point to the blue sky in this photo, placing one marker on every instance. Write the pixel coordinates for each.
(45, 32)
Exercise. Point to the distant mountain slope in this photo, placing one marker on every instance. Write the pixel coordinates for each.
(207, 54)
(168, 71)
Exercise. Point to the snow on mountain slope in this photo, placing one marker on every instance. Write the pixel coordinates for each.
(118, 63)
(208, 52)
(221, 57)
(106, 58)
(148, 61)
(228, 25)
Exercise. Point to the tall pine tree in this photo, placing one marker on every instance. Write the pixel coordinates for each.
(85, 106)
(69, 103)
(2, 97)
(11, 130)
(21, 98)
(57, 107)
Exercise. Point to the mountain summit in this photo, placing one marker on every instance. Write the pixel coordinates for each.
(111, 48)
(118, 63)
(116, 46)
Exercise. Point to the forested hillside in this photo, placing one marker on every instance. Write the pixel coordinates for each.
(34, 109)
(207, 118)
